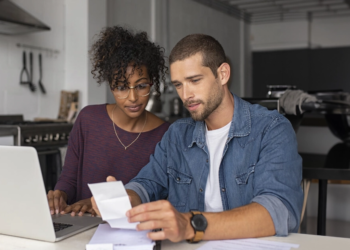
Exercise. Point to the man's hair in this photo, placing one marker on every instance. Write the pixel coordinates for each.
(213, 55)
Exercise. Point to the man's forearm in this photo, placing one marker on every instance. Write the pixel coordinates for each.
(249, 221)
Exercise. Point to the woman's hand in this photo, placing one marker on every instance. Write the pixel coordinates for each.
(79, 208)
(57, 201)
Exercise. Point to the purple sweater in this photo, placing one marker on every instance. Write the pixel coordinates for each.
(94, 152)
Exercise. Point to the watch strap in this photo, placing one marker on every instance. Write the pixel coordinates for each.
(198, 235)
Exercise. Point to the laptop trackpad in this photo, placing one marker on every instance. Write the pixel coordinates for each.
(77, 222)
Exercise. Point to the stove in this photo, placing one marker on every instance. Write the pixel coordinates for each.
(47, 137)
(43, 134)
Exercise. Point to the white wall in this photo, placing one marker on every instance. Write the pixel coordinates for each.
(84, 19)
(73, 25)
(97, 21)
(16, 98)
(76, 48)
(188, 17)
(325, 33)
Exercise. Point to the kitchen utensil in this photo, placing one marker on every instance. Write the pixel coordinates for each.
(41, 86)
(24, 71)
(31, 84)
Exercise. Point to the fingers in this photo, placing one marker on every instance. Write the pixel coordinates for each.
(50, 201)
(168, 231)
(83, 210)
(160, 235)
(67, 210)
(56, 201)
(92, 212)
(78, 209)
(147, 216)
(111, 178)
(152, 224)
(148, 207)
(94, 206)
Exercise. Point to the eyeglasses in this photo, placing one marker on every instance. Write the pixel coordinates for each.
(143, 89)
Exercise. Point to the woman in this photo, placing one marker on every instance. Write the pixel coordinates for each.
(113, 139)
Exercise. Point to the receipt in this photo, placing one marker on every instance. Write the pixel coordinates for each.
(113, 202)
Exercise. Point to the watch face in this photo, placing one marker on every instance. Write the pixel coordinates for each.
(199, 222)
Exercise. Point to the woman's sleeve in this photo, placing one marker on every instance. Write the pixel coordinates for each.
(67, 182)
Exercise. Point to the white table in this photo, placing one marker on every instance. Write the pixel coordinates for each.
(306, 242)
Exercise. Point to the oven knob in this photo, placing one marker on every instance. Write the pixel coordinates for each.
(63, 136)
(56, 137)
(50, 137)
(27, 139)
(67, 137)
(46, 137)
(35, 139)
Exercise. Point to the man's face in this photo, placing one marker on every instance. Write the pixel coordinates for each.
(197, 87)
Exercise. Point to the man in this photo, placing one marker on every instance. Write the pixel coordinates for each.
(230, 171)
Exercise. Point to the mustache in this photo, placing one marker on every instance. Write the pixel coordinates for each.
(190, 102)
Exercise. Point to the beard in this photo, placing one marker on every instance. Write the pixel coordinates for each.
(213, 102)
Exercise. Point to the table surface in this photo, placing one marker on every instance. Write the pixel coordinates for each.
(79, 241)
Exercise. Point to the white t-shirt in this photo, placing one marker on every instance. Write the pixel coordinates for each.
(216, 140)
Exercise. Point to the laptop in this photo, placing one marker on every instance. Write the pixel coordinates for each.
(24, 210)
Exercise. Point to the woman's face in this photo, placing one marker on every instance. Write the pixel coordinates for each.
(134, 104)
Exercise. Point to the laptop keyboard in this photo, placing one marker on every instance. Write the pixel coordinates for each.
(60, 226)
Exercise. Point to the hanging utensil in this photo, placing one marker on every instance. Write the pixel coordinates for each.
(42, 88)
(24, 70)
(31, 84)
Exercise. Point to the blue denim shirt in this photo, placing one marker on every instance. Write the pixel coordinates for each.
(260, 164)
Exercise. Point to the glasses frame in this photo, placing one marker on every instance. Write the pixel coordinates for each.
(149, 83)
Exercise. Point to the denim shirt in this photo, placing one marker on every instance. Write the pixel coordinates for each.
(260, 164)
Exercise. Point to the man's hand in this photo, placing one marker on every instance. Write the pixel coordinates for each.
(80, 208)
(161, 214)
(57, 201)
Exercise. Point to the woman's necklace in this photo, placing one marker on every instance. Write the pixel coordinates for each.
(115, 131)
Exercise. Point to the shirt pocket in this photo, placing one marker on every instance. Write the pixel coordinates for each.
(179, 187)
(242, 179)
(245, 184)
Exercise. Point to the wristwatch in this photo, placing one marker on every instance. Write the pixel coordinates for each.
(199, 224)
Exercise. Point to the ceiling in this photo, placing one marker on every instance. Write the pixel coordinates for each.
(265, 11)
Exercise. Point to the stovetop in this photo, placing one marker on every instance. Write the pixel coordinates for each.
(38, 134)
(29, 122)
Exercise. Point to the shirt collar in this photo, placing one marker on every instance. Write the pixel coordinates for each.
(240, 125)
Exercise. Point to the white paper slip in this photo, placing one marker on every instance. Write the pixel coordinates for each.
(107, 238)
(251, 244)
(113, 202)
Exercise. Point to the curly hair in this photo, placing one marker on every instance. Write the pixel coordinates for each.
(117, 48)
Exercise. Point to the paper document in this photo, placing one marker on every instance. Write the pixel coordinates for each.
(107, 238)
(251, 244)
(113, 202)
